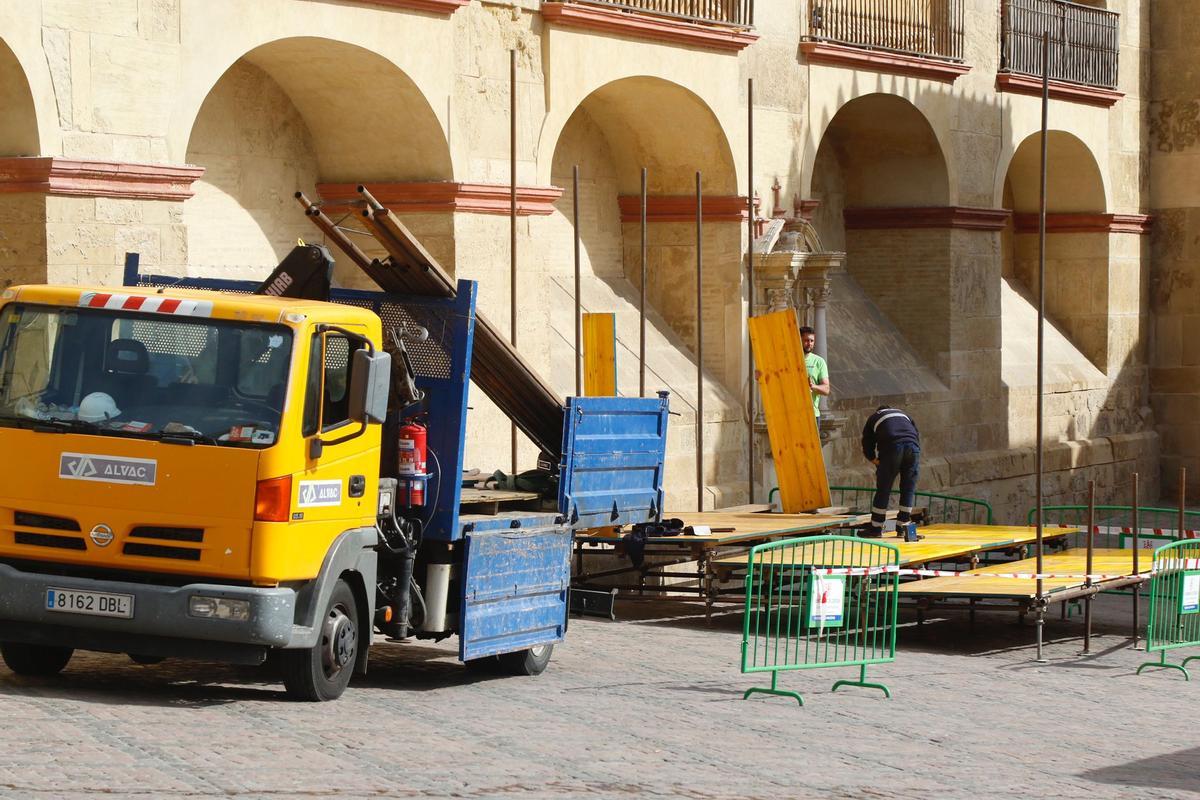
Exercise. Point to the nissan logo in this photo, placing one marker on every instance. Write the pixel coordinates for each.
(101, 535)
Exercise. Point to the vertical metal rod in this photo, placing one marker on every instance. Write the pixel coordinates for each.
(578, 294)
(1181, 530)
(699, 346)
(750, 378)
(1041, 614)
(512, 219)
(1137, 527)
(1091, 546)
(642, 301)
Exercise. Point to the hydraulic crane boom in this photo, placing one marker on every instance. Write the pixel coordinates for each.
(496, 366)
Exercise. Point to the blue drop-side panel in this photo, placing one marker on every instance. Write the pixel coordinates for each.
(514, 590)
(613, 454)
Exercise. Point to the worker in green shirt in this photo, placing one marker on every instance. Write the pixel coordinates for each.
(818, 370)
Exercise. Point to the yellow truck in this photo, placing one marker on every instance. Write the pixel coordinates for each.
(209, 473)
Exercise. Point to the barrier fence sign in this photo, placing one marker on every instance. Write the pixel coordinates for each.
(1191, 593)
(799, 616)
(1174, 604)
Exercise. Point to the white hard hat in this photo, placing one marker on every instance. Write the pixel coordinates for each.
(98, 407)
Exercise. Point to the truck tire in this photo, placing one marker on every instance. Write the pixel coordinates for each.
(526, 662)
(35, 660)
(322, 673)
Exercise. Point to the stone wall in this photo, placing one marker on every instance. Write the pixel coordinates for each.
(1174, 123)
(281, 95)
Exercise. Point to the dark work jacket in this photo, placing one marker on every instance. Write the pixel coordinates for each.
(887, 428)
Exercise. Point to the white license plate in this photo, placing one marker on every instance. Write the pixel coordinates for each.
(97, 604)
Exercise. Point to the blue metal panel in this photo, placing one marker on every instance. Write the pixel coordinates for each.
(613, 454)
(442, 364)
(515, 586)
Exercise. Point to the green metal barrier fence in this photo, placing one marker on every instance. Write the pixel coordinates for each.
(1174, 604)
(1155, 524)
(938, 507)
(797, 617)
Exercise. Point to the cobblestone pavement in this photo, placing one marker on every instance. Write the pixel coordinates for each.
(647, 707)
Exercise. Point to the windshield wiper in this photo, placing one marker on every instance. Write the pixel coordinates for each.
(63, 425)
(182, 437)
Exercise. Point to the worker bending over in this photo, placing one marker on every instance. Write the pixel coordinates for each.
(891, 442)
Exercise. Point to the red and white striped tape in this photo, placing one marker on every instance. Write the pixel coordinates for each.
(1171, 565)
(154, 304)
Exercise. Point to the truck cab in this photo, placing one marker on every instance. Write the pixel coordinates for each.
(203, 473)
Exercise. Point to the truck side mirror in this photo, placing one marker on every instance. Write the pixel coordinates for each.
(369, 383)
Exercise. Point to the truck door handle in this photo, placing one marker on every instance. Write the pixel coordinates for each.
(358, 485)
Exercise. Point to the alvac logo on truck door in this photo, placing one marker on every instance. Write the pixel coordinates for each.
(107, 469)
(314, 494)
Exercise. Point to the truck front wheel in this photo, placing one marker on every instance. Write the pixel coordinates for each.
(35, 659)
(527, 662)
(322, 673)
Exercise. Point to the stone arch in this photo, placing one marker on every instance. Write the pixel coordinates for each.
(18, 123)
(613, 133)
(1074, 182)
(883, 185)
(23, 232)
(290, 115)
(1077, 241)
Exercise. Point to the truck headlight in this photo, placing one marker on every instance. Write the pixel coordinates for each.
(218, 608)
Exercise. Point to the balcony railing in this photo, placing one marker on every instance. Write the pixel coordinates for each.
(924, 28)
(734, 13)
(1084, 41)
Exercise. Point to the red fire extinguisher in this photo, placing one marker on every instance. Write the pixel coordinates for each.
(412, 448)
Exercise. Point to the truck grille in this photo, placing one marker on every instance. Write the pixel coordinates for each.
(49, 540)
(160, 551)
(27, 519)
(168, 534)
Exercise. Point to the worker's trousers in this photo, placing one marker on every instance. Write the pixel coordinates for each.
(903, 460)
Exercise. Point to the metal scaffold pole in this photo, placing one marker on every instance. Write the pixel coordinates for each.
(512, 213)
(699, 346)
(642, 301)
(750, 378)
(1041, 602)
(578, 296)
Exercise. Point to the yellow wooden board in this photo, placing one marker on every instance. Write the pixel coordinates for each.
(788, 407)
(600, 355)
(942, 542)
(746, 527)
(910, 553)
(1069, 562)
(992, 535)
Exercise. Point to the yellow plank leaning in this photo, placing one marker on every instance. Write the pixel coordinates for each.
(600, 355)
(787, 405)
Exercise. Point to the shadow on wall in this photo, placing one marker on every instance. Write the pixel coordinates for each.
(939, 316)
(22, 216)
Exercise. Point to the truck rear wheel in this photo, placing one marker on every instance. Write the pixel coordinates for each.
(35, 659)
(322, 673)
(527, 662)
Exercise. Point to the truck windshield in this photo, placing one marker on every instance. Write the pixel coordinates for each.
(123, 373)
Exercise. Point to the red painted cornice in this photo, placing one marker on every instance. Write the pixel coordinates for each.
(1085, 223)
(446, 7)
(979, 219)
(647, 26)
(444, 197)
(1059, 90)
(840, 55)
(70, 177)
(682, 208)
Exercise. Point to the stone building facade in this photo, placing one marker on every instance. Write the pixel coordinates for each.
(180, 129)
